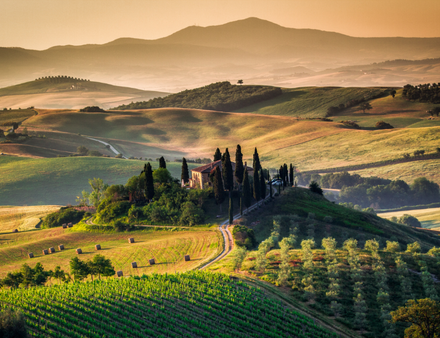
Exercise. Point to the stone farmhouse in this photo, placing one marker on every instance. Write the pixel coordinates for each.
(200, 175)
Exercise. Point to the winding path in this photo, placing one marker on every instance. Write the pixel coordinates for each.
(107, 144)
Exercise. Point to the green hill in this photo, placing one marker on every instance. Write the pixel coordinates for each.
(217, 96)
(28, 181)
(194, 304)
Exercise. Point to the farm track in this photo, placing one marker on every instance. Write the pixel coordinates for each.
(107, 144)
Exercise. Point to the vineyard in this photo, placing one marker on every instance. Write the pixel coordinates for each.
(192, 304)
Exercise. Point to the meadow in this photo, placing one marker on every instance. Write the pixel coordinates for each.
(23, 218)
(430, 218)
(45, 181)
(166, 245)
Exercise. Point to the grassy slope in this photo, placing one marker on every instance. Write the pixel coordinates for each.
(23, 218)
(430, 218)
(15, 115)
(167, 247)
(26, 181)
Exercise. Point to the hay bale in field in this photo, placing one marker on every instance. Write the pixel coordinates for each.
(51, 250)
(64, 226)
(134, 265)
(15, 230)
(70, 225)
(61, 247)
(45, 252)
(152, 261)
(31, 255)
(119, 273)
(187, 258)
(98, 247)
(131, 240)
(79, 251)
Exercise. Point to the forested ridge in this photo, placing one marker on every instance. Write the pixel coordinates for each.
(217, 96)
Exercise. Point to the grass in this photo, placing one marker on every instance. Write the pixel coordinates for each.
(23, 218)
(166, 246)
(430, 218)
(15, 115)
(45, 181)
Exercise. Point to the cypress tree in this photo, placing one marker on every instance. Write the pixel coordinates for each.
(219, 192)
(239, 168)
(292, 177)
(217, 155)
(185, 174)
(286, 175)
(162, 163)
(257, 186)
(231, 211)
(262, 185)
(246, 192)
(256, 163)
(149, 183)
(228, 178)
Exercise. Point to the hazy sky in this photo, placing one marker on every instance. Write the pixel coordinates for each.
(40, 24)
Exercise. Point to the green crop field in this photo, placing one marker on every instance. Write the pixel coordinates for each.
(28, 181)
(166, 246)
(194, 304)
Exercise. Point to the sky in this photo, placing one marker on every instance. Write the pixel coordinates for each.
(40, 24)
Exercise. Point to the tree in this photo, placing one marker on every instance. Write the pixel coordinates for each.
(292, 175)
(228, 179)
(240, 82)
(314, 187)
(231, 210)
(365, 106)
(239, 168)
(82, 150)
(423, 314)
(246, 191)
(162, 162)
(12, 324)
(219, 192)
(393, 93)
(262, 185)
(162, 175)
(286, 175)
(256, 161)
(79, 269)
(240, 255)
(100, 266)
(217, 155)
(98, 189)
(413, 248)
(185, 173)
(257, 186)
(425, 191)
(149, 182)
(410, 221)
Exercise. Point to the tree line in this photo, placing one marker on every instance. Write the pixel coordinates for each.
(423, 92)
(60, 79)
(217, 96)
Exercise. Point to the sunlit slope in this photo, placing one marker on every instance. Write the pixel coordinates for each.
(308, 144)
(28, 181)
(429, 218)
(23, 218)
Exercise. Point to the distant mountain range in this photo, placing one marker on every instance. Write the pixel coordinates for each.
(255, 50)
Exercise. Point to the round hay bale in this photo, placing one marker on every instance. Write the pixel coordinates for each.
(64, 226)
(45, 252)
(98, 247)
(15, 230)
(134, 265)
(79, 251)
(31, 255)
(51, 250)
(61, 247)
(187, 258)
(131, 240)
(152, 261)
(119, 273)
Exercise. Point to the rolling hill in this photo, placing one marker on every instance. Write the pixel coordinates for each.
(70, 93)
(256, 50)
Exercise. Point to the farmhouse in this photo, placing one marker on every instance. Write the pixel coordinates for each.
(200, 175)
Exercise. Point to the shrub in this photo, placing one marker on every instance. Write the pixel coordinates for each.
(191, 214)
(93, 153)
(410, 220)
(113, 210)
(64, 215)
(383, 125)
(350, 124)
(12, 324)
(244, 236)
(92, 109)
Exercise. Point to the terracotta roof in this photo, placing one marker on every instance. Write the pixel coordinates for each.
(207, 168)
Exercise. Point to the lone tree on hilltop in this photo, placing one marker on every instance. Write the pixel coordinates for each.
(162, 163)
(240, 82)
(365, 106)
(239, 168)
(423, 314)
(185, 173)
(217, 155)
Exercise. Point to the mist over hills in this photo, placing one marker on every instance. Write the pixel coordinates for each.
(255, 50)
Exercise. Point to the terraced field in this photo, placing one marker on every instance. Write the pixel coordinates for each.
(167, 247)
(195, 304)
